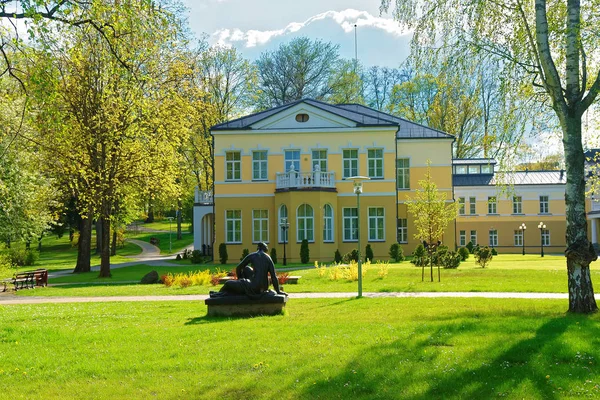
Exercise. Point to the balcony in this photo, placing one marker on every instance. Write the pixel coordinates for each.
(305, 180)
(203, 197)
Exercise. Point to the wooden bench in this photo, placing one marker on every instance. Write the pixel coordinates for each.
(243, 306)
(27, 280)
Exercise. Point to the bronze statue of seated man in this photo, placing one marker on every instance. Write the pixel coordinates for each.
(253, 281)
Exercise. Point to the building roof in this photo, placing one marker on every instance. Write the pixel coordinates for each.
(512, 178)
(361, 115)
(473, 161)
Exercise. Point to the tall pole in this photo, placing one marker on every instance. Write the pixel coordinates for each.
(284, 243)
(542, 227)
(359, 245)
(170, 243)
(355, 50)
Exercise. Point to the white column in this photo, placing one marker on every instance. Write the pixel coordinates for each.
(594, 231)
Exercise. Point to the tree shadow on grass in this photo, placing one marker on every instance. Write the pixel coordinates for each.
(206, 319)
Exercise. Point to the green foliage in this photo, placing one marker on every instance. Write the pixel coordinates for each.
(304, 252)
(494, 252)
(245, 253)
(451, 260)
(464, 253)
(419, 256)
(368, 253)
(484, 256)
(178, 257)
(337, 257)
(350, 256)
(471, 247)
(439, 255)
(223, 253)
(274, 255)
(20, 257)
(396, 252)
(196, 257)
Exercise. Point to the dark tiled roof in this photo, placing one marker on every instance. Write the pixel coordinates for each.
(472, 161)
(512, 178)
(361, 115)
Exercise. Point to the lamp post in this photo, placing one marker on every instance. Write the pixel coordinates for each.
(285, 225)
(542, 226)
(170, 242)
(522, 228)
(358, 189)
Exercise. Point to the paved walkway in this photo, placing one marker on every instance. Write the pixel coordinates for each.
(11, 299)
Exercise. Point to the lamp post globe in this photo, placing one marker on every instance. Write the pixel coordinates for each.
(542, 227)
(522, 228)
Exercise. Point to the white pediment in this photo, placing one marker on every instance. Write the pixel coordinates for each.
(317, 118)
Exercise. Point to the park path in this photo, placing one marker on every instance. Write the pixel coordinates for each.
(11, 299)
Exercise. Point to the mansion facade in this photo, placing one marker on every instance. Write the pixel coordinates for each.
(291, 164)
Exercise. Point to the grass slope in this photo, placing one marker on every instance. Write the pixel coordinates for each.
(329, 348)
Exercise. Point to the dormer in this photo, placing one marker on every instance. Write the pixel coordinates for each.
(473, 166)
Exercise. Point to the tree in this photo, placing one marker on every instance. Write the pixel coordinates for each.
(552, 54)
(431, 214)
(346, 83)
(378, 85)
(301, 68)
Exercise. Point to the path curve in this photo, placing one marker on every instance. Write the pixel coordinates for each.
(148, 250)
(13, 300)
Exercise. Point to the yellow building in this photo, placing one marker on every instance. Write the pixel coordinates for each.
(292, 162)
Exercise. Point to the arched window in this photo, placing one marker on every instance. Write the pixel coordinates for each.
(327, 223)
(305, 223)
(283, 232)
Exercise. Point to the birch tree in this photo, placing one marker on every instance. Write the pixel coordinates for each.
(551, 50)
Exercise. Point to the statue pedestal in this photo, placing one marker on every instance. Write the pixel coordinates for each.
(243, 306)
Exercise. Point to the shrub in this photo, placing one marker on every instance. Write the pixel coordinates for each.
(439, 255)
(383, 269)
(167, 280)
(470, 246)
(187, 253)
(337, 257)
(335, 273)
(396, 253)
(223, 253)
(178, 257)
(120, 238)
(75, 239)
(464, 253)
(483, 256)
(22, 257)
(494, 252)
(200, 278)
(368, 253)
(419, 256)
(197, 257)
(245, 252)
(274, 255)
(283, 277)
(350, 256)
(214, 279)
(320, 269)
(351, 271)
(451, 260)
(304, 252)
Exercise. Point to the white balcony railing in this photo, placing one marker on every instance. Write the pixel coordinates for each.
(295, 179)
(203, 197)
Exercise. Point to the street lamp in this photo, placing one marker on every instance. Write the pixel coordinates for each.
(170, 242)
(522, 228)
(358, 189)
(542, 226)
(285, 225)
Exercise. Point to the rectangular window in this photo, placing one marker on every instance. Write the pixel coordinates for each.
(350, 163)
(375, 163)
(319, 157)
(327, 223)
(461, 205)
(259, 165)
(260, 226)
(292, 159)
(517, 205)
(519, 238)
(233, 166)
(403, 173)
(402, 230)
(492, 205)
(463, 238)
(233, 226)
(493, 237)
(545, 237)
(376, 222)
(350, 224)
(487, 169)
(461, 169)
(473, 169)
(544, 205)
(473, 238)
(472, 206)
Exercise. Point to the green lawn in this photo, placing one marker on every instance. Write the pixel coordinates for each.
(176, 245)
(163, 225)
(327, 348)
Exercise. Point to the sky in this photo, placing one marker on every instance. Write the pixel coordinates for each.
(254, 26)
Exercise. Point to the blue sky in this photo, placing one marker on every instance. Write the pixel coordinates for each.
(254, 26)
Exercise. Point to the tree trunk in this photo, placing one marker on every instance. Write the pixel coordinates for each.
(113, 246)
(98, 236)
(105, 252)
(150, 212)
(179, 220)
(84, 247)
(580, 252)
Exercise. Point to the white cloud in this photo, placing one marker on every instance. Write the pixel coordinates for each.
(346, 19)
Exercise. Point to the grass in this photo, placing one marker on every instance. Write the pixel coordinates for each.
(163, 225)
(326, 348)
(176, 245)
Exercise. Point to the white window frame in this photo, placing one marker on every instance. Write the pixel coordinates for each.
(233, 167)
(263, 226)
(402, 227)
(375, 162)
(460, 169)
(352, 220)
(328, 223)
(305, 224)
(473, 236)
(349, 163)
(545, 237)
(493, 237)
(322, 162)
(462, 238)
(236, 226)
(518, 238)
(377, 223)
(404, 172)
(474, 169)
(288, 161)
(487, 169)
(259, 166)
(461, 206)
(547, 204)
(492, 205)
(472, 206)
(517, 205)
(284, 234)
